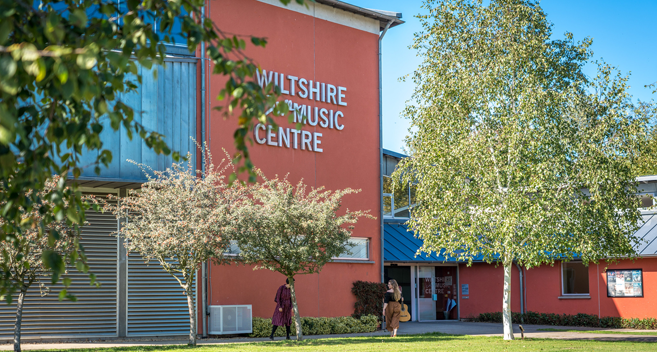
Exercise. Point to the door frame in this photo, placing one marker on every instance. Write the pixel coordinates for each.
(416, 292)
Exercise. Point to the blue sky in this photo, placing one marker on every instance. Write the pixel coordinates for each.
(624, 35)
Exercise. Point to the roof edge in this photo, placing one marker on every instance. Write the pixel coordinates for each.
(383, 18)
(394, 154)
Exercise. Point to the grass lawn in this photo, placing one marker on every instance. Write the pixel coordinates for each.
(652, 333)
(424, 343)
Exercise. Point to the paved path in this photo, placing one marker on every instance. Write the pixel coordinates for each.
(457, 328)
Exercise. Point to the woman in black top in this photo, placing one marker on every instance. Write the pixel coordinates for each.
(392, 304)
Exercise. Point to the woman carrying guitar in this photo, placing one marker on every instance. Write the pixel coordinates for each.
(392, 307)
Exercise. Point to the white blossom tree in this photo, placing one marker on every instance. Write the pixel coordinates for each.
(517, 155)
(293, 231)
(26, 262)
(177, 218)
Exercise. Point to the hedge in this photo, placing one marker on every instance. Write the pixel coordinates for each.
(319, 326)
(369, 298)
(586, 320)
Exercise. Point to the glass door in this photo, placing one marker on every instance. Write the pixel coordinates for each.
(446, 285)
(426, 297)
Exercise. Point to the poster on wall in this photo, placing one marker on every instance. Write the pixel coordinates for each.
(625, 283)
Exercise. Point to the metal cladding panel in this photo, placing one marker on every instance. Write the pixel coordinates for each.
(156, 303)
(401, 245)
(165, 104)
(95, 312)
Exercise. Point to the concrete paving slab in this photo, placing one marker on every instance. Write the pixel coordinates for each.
(409, 328)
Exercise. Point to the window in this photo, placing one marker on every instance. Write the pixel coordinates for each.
(387, 205)
(646, 200)
(233, 249)
(398, 202)
(359, 249)
(575, 278)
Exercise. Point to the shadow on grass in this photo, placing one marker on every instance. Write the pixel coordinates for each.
(615, 332)
(338, 341)
(434, 337)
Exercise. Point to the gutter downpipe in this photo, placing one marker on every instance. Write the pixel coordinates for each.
(381, 145)
(522, 308)
(204, 269)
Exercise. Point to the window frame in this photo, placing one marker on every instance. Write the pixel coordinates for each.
(367, 241)
(563, 286)
(410, 205)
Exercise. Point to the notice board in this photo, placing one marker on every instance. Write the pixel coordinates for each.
(625, 283)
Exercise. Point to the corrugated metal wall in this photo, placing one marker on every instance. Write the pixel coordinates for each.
(156, 304)
(95, 312)
(167, 105)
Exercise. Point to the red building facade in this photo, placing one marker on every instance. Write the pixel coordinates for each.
(431, 281)
(325, 59)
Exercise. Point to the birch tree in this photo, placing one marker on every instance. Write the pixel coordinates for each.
(517, 155)
(177, 219)
(292, 230)
(25, 261)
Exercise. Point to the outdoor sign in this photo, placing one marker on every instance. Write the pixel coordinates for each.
(625, 283)
(332, 96)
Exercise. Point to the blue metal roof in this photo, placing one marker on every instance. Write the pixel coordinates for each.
(401, 245)
(394, 154)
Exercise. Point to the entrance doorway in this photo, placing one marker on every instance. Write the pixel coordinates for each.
(403, 276)
(437, 294)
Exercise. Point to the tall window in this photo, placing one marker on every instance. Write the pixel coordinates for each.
(387, 196)
(575, 278)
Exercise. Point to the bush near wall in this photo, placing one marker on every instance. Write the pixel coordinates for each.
(319, 326)
(586, 320)
(369, 298)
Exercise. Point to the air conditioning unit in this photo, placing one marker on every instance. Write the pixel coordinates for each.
(225, 320)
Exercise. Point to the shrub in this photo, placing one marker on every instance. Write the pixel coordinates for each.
(580, 319)
(369, 298)
(319, 326)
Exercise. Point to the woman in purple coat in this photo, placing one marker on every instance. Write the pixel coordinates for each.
(283, 312)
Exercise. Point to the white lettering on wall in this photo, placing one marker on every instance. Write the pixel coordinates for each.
(304, 114)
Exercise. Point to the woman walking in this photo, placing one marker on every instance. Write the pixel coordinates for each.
(392, 303)
(283, 312)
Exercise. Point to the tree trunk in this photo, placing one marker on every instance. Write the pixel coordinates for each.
(19, 320)
(297, 318)
(506, 302)
(192, 318)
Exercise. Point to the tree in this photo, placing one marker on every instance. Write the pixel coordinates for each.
(290, 230)
(178, 219)
(24, 261)
(647, 161)
(517, 155)
(62, 65)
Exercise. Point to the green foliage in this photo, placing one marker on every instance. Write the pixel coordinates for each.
(63, 63)
(518, 156)
(31, 260)
(369, 298)
(177, 219)
(580, 319)
(290, 230)
(647, 161)
(319, 326)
